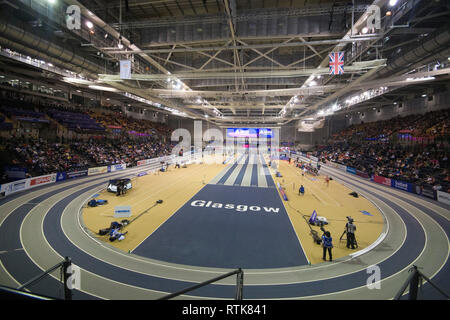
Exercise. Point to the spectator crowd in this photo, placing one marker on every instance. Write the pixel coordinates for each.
(41, 157)
(374, 148)
(431, 125)
(100, 145)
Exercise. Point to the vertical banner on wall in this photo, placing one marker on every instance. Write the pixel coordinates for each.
(198, 138)
(125, 69)
(275, 145)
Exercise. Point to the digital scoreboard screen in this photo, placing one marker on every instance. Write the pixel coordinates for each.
(249, 133)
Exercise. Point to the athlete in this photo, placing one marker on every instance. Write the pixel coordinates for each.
(301, 191)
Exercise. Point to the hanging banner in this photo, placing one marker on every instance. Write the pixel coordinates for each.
(336, 62)
(125, 69)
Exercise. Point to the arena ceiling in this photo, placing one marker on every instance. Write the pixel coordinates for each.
(241, 61)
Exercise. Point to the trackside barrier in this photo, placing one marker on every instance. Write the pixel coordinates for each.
(117, 167)
(405, 186)
(239, 285)
(443, 197)
(16, 186)
(382, 180)
(97, 170)
(351, 170)
(170, 159)
(76, 174)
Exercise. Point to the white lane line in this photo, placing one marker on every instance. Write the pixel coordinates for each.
(247, 180)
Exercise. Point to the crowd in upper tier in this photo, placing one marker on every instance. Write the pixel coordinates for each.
(379, 148)
(431, 125)
(113, 138)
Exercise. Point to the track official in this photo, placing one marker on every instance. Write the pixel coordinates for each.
(327, 244)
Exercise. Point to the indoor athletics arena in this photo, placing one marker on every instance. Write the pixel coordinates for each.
(210, 150)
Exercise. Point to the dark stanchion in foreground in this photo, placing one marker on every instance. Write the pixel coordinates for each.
(414, 281)
(65, 266)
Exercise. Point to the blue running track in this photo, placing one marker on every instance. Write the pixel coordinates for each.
(228, 227)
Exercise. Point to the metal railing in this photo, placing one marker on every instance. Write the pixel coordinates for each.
(414, 281)
(239, 285)
(8, 293)
(64, 265)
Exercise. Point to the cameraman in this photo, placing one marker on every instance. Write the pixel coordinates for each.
(350, 229)
(119, 188)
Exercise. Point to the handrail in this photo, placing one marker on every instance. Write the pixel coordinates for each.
(39, 276)
(239, 285)
(414, 280)
(8, 292)
(65, 264)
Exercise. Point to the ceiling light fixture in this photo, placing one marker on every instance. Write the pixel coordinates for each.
(393, 2)
(101, 88)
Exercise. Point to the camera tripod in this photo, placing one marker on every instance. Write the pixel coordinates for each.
(342, 238)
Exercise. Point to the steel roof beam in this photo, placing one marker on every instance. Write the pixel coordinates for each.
(340, 42)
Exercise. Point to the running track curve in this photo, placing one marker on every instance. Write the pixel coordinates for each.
(38, 228)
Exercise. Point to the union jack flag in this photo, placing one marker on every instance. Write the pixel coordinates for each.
(337, 62)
